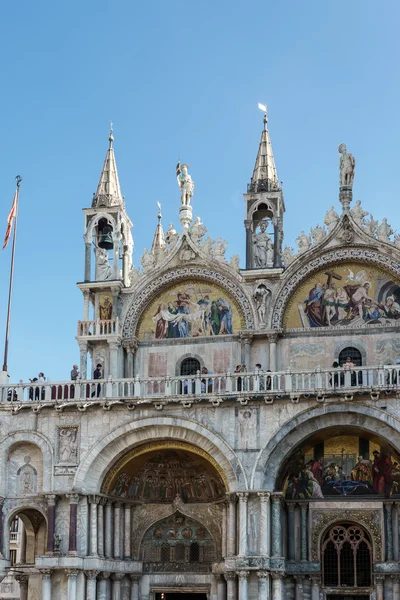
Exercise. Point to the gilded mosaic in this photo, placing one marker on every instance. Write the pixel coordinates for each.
(351, 294)
(191, 309)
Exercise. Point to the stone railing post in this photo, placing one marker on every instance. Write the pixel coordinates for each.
(51, 522)
(243, 585)
(243, 498)
(264, 523)
(72, 575)
(230, 585)
(73, 523)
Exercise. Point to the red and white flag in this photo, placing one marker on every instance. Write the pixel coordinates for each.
(10, 219)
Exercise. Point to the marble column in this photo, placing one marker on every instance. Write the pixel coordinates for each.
(299, 579)
(290, 533)
(315, 587)
(277, 585)
(230, 585)
(72, 575)
(221, 587)
(102, 586)
(93, 501)
(23, 580)
(114, 350)
(88, 256)
(127, 531)
(46, 584)
(51, 522)
(116, 585)
(108, 530)
(86, 296)
(117, 530)
(263, 585)
(224, 528)
(379, 581)
(83, 351)
(396, 587)
(73, 523)
(231, 541)
(389, 532)
(246, 352)
(264, 523)
(100, 527)
(303, 552)
(135, 579)
(1, 528)
(249, 244)
(276, 525)
(395, 531)
(243, 498)
(243, 585)
(272, 339)
(91, 584)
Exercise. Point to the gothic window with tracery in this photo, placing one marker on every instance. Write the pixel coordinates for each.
(347, 555)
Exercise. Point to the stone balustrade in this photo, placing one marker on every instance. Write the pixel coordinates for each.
(98, 328)
(213, 388)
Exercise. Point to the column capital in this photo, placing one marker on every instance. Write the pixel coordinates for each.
(277, 497)
(272, 338)
(303, 507)
(117, 576)
(231, 498)
(230, 576)
(94, 499)
(299, 579)
(291, 506)
(388, 504)
(114, 343)
(73, 498)
(277, 575)
(72, 573)
(51, 499)
(262, 574)
(248, 223)
(246, 337)
(131, 344)
(243, 496)
(23, 579)
(264, 496)
(83, 346)
(315, 579)
(395, 578)
(118, 504)
(379, 579)
(91, 575)
(45, 573)
(104, 575)
(243, 574)
(135, 578)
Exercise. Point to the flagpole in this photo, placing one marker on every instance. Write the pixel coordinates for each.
(18, 180)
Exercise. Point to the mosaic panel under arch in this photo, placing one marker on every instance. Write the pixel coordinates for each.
(349, 294)
(191, 308)
(166, 474)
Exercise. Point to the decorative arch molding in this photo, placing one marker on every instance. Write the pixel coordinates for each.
(184, 357)
(154, 287)
(37, 439)
(12, 507)
(331, 257)
(147, 515)
(297, 430)
(107, 451)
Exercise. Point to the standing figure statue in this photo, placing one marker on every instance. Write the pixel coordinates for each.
(384, 231)
(171, 237)
(103, 268)
(185, 183)
(331, 218)
(263, 248)
(303, 242)
(197, 230)
(318, 234)
(358, 213)
(347, 166)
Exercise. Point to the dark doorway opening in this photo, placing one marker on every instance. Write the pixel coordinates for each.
(185, 596)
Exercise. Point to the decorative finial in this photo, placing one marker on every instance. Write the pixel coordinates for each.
(111, 137)
(159, 216)
(347, 166)
(263, 107)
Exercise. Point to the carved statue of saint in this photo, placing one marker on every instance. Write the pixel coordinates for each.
(147, 260)
(318, 234)
(384, 231)
(197, 230)
(68, 446)
(171, 236)
(260, 297)
(103, 268)
(219, 249)
(358, 213)
(288, 255)
(263, 248)
(303, 242)
(185, 183)
(347, 167)
(331, 218)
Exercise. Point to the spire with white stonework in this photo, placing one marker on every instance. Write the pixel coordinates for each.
(264, 177)
(108, 191)
(158, 246)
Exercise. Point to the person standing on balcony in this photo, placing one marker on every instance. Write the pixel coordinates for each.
(74, 377)
(98, 374)
(41, 379)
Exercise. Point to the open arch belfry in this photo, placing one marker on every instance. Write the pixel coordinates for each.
(233, 433)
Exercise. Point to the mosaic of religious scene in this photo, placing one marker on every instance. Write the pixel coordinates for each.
(318, 472)
(352, 294)
(190, 309)
(168, 474)
(105, 307)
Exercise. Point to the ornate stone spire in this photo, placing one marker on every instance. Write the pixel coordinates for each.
(264, 177)
(158, 246)
(108, 191)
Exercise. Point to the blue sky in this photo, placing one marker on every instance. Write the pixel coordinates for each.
(180, 80)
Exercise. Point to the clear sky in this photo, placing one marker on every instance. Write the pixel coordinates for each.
(180, 79)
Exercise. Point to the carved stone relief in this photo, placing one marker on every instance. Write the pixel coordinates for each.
(68, 444)
(27, 478)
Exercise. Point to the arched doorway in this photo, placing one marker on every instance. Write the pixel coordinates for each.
(346, 558)
(353, 353)
(189, 367)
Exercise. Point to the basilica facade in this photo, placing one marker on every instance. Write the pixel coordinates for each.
(234, 431)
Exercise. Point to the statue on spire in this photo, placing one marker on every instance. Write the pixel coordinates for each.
(185, 183)
(347, 167)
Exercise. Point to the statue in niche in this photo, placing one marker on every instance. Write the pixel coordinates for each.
(260, 297)
(347, 167)
(185, 183)
(288, 255)
(147, 261)
(171, 237)
(103, 268)
(27, 478)
(68, 445)
(263, 248)
(318, 234)
(371, 226)
(384, 231)
(198, 230)
(303, 242)
(358, 213)
(331, 218)
(218, 252)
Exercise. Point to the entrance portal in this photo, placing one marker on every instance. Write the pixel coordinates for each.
(186, 596)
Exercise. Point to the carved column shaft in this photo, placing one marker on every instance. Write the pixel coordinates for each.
(127, 531)
(263, 585)
(117, 530)
(72, 575)
(135, 587)
(102, 586)
(224, 529)
(83, 350)
(231, 542)
(1, 530)
(379, 581)
(299, 588)
(243, 497)
(243, 585)
(389, 532)
(51, 522)
(108, 531)
(88, 256)
(315, 586)
(291, 546)
(46, 584)
(272, 352)
(91, 585)
(277, 586)
(395, 531)
(303, 510)
(249, 244)
(230, 586)
(73, 523)
(396, 587)
(116, 586)
(100, 528)
(93, 526)
(276, 526)
(264, 523)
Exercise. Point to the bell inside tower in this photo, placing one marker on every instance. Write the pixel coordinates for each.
(104, 235)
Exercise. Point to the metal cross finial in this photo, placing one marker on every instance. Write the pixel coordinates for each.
(111, 137)
(263, 107)
(159, 211)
